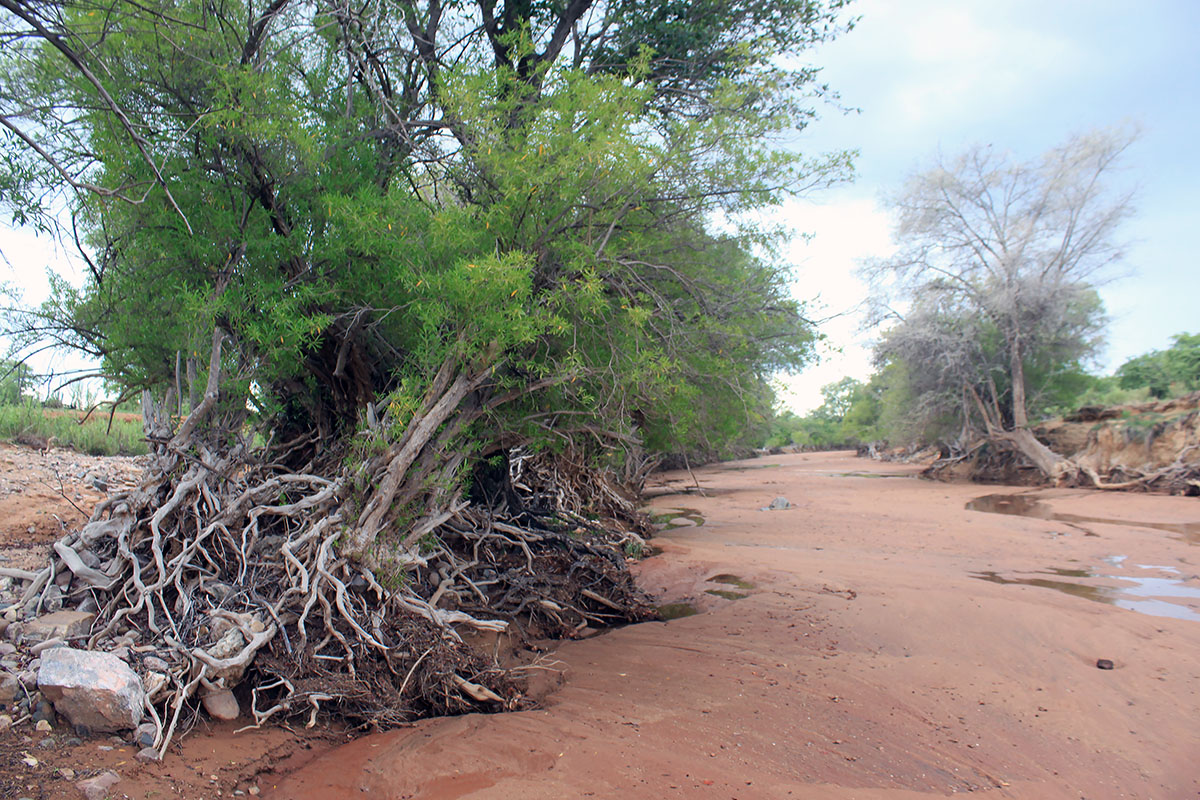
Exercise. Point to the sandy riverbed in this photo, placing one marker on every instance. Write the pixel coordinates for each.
(868, 660)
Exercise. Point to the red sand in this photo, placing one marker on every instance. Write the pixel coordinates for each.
(865, 662)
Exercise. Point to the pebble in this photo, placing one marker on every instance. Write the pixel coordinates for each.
(1104, 663)
(43, 725)
(155, 663)
(148, 755)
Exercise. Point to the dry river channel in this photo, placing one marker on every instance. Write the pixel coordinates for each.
(881, 637)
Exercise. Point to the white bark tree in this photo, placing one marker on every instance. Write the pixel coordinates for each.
(996, 268)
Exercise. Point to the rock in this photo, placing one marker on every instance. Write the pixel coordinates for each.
(97, 788)
(52, 598)
(44, 712)
(9, 687)
(63, 579)
(56, 641)
(66, 773)
(95, 690)
(144, 735)
(7, 649)
(43, 726)
(120, 652)
(156, 664)
(253, 790)
(100, 485)
(89, 558)
(1104, 663)
(60, 624)
(154, 682)
(5, 722)
(221, 705)
(88, 605)
(148, 755)
(779, 502)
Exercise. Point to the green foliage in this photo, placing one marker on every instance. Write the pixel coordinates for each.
(29, 422)
(357, 211)
(1165, 373)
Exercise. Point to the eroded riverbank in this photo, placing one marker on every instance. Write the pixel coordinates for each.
(858, 655)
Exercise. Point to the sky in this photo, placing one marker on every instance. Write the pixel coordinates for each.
(930, 75)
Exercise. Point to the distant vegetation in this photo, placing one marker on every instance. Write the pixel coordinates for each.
(26, 420)
(854, 412)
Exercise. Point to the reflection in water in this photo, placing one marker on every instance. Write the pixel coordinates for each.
(1096, 593)
(674, 518)
(732, 580)
(1120, 597)
(1022, 505)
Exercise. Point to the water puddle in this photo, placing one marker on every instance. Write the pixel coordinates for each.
(872, 474)
(748, 467)
(731, 580)
(676, 611)
(1127, 597)
(674, 518)
(1022, 505)
(726, 594)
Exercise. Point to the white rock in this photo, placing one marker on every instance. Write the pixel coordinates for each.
(95, 690)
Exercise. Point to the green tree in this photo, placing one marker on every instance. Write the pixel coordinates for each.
(453, 263)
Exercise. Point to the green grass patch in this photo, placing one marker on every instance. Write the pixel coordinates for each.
(33, 425)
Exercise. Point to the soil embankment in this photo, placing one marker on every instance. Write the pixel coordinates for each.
(877, 639)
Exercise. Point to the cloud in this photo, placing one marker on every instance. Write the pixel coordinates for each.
(846, 228)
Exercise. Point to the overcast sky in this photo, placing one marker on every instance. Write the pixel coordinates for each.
(1023, 76)
(1018, 74)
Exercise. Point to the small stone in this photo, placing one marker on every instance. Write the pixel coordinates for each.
(156, 664)
(66, 773)
(97, 788)
(778, 503)
(5, 722)
(43, 726)
(120, 652)
(1104, 663)
(7, 649)
(144, 735)
(9, 686)
(63, 579)
(148, 755)
(61, 624)
(43, 712)
(74, 741)
(221, 704)
(89, 558)
(48, 743)
(52, 598)
(253, 790)
(88, 605)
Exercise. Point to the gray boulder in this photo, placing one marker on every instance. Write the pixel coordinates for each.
(94, 690)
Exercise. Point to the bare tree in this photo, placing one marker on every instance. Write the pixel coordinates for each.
(996, 270)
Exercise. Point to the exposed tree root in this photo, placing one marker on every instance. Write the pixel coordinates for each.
(242, 575)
